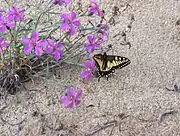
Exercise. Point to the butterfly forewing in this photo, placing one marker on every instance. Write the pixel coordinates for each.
(98, 58)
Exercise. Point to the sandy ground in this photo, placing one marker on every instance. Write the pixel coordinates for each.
(134, 102)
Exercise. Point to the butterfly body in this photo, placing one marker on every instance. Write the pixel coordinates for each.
(106, 64)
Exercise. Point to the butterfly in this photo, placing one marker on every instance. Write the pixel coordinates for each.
(106, 64)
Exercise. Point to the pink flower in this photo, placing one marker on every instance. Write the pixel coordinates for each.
(71, 23)
(103, 33)
(72, 98)
(93, 43)
(16, 14)
(90, 69)
(6, 23)
(54, 49)
(94, 8)
(86, 74)
(34, 44)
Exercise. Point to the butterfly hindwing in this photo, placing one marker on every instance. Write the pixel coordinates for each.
(107, 64)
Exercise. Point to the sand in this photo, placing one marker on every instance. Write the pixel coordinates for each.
(133, 102)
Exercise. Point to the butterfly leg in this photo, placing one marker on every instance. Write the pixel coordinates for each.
(99, 76)
(99, 79)
(107, 76)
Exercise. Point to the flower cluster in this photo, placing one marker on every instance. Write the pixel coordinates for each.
(95, 41)
(8, 22)
(33, 43)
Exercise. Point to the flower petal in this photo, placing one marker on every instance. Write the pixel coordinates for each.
(38, 51)
(100, 13)
(93, 10)
(97, 46)
(86, 74)
(77, 23)
(5, 44)
(65, 27)
(71, 105)
(73, 15)
(79, 93)
(58, 45)
(77, 102)
(57, 55)
(91, 38)
(1, 40)
(71, 92)
(65, 16)
(26, 41)
(90, 64)
(35, 36)
(87, 63)
(49, 49)
(42, 43)
(10, 24)
(66, 100)
(73, 30)
(28, 49)
(2, 29)
(50, 42)
(89, 48)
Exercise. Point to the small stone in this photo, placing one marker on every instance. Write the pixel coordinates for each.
(178, 22)
(176, 84)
